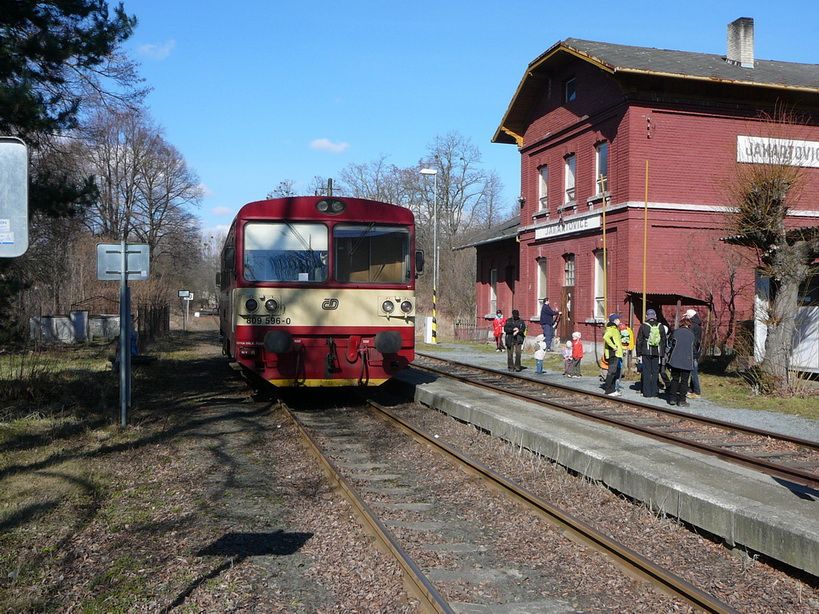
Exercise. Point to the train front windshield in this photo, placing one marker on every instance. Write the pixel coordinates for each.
(285, 251)
(366, 253)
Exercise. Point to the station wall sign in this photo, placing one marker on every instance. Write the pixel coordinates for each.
(790, 152)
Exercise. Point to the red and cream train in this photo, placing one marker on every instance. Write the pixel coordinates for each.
(319, 291)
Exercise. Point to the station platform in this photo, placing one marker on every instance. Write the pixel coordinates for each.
(744, 508)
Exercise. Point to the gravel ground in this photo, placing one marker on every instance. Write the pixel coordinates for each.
(745, 583)
(779, 423)
(207, 503)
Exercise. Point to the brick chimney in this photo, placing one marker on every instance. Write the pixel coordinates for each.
(741, 42)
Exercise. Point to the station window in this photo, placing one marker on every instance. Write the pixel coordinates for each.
(542, 282)
(569, 175)
(599, 286)
(493, 291)
(570, 90)
(601, 168)
(568, 270)
(543, 191)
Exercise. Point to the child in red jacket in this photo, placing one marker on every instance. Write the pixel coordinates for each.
(577, 354)
(497, 330)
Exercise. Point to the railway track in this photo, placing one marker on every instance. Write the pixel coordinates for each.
(787, 458)
(359, 450)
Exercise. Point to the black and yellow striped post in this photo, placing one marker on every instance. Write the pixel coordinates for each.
(434, 315)
(434, 173)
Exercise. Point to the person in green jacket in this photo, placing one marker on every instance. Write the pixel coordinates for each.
(613, 352)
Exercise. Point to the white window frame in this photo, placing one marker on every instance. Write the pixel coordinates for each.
(542, 281)
(493, 291)
(599, 306)
(598, 149)
(569, 266)
(543, 188)
(569, 173)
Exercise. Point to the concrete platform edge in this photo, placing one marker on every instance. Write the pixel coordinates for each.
(745, 525)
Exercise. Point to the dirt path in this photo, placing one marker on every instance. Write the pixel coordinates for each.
(208, 503)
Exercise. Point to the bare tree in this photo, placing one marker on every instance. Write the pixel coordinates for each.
(468, 198)
(118, 143)
(167, 188)
(376, 180)
(286, 187)
(763, 194)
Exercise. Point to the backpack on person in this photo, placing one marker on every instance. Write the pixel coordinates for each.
(654, 336)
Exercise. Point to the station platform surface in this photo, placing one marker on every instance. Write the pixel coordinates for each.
(739, 505)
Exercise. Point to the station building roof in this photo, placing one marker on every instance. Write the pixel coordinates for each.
(508, 229)
(649, 61)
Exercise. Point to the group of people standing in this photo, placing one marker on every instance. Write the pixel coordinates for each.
(510, 333)
(657, 351)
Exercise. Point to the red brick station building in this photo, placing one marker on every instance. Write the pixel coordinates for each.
(605, 127)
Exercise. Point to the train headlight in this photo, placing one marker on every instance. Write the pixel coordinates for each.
(271, 305)
(406, 306)
(388, 306)
(331, 206)
(251, 304)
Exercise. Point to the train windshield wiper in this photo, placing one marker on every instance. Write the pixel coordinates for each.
(360, 239)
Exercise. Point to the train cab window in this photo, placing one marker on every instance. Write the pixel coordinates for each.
(366, 253)
(285, 251)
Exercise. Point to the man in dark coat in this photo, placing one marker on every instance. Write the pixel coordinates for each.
(515, 330)
(547, 321)
(696, 328)
(681, 362)
(650, 347)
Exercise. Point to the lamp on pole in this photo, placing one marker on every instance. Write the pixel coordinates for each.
(434, 173)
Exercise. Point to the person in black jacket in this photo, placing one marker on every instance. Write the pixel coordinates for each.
(515, 330)
(681, 362)
(650, 348)
(548, 319)
(696, 328)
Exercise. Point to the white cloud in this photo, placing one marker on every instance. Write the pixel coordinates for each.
(328, 146)
(221, 211)
(158, 51)
(206, 191)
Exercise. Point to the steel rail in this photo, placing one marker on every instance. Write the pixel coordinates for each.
(630, 560)
(814, 445)
(431, 600)
(791, 474)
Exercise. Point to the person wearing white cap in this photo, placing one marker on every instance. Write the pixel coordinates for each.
(696, 328)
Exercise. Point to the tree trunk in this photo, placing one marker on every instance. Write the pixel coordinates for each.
(790, 263)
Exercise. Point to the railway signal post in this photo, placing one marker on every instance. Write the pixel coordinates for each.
(434, 173)
(121, 262)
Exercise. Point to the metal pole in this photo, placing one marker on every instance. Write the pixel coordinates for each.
(645, 245)
(435, 258)
(123, 337)
(605, 260)
(130, 335)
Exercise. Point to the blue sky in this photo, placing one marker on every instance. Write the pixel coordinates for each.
(256, 92)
